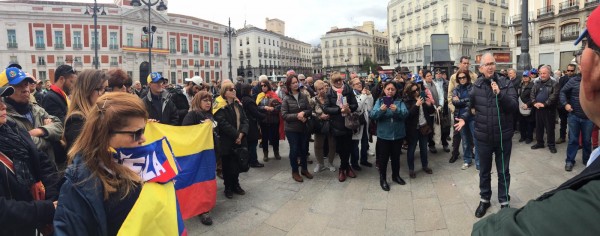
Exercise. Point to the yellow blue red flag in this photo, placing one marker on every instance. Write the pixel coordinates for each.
(156, 211)
(193, 148)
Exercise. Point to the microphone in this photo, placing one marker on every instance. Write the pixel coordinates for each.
(494, 81)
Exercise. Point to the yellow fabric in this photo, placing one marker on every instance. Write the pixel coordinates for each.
(182, 138)
(260, 97)
(154, 212)
(218, 104)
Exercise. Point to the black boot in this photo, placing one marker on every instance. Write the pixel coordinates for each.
(398, 180)
(383, 181)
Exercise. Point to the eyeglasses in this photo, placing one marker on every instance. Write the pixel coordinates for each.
(489, 64)
(137, 135)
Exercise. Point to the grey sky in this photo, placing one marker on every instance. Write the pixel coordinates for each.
(306, 20)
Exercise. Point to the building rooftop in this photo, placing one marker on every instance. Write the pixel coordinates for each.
(341, 30)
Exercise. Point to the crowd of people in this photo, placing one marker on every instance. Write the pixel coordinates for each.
(60, 176)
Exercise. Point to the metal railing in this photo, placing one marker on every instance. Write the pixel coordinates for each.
(40, 46)
(544, 12)
(434, 21)
(591, 3)
(481, 20)
(113, 47)
(547, 39)
(444, 17)
(12, 45)
(59, 46)
(173, 50)
(480, 42)
(568, 6)
(493, 2)
(569, 36)
(494, 22)
(77, 46)
(466, 17)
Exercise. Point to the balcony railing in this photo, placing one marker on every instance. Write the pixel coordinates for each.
(12, 45)
(206, 53)
(410, 29)
(493, 3)
(568, 6)
(173, 50)
(504, 24)
(94, 46)
(516, 19)
(41, 63)
(418, 27)
(483, 1)
(59, 46)
(494, 22)
(434, 21)
(77, 46)
(40, 46)
(547, 39)
(444, 17)
(481, 20)
(184, 51)
(217, 54)
(409, 12)
(196, 52)
(591, 3)
(114, 64)
(60, 63)
(504, 5)
(173, 65)
(394, 18)
(504, 44)
(493, 43)
(426, 4)
(402, 32)
(113, 47)
(466, 17)
(480, 42)
(545, 12)
(247, 55)
(185, 66)
(402, 15)
(433, 2)
(417, 8)
(467, 40)
(426, 24)
(78, 63)
(569, 36)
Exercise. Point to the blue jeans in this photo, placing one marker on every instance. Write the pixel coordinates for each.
(579, 126)
(412, 146)
(468, 144)
(297, 142)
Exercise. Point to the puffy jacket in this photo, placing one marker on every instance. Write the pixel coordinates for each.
(553, 90)
(55, 104)
(390, 124)
(53, 130)
(228, 132)
(570, 95)
(337, 123)
(80, 208)
(291, 107)
(169, 110)
(483, 101)
(253, 115)
(180, 101)
(462, 105)
(452, 84)
(19, 213)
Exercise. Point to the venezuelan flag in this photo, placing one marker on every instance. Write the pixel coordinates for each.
(195, 184)
(156, 211)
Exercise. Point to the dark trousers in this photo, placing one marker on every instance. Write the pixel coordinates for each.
(456, 138)
(253, 158)
(412, 146)
(486, 152)
(386, 150)
(526, 126)
(360, 149)
(270, 134)
(297, 144)
(445, 134)
(563, 115)
(544, 119)
(342, 147)
(230, 171)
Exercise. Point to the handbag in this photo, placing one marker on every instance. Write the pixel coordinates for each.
(352, 122)
(524, 112)
(425, 129)
(242, 154)
(324, 127)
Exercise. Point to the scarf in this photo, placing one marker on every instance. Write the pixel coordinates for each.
(268, 94)
(16, 149)
(21, 108)
(59, 91)
(218, 104)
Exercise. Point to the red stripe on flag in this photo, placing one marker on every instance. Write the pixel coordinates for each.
(198, 198)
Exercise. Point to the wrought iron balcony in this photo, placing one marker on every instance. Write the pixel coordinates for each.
(184, 51)
(113, 47)
(59, 46)
(481, 20)
(444, 17)
(173, 50)
(12, 45)
(480, 42)
(77, 46)
(545, 12)
(434, 21)
(493, 2)
(547, 39)
(494, 22)
(196, 52)
(568, 6)
(466, 17)
(591, 3)
(40, 46)
(569, 36)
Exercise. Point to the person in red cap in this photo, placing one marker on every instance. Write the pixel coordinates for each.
(573, 207)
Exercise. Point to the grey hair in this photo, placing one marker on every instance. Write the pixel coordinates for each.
(484, 55)
(547, 68)
(301, 76)
(512, 69)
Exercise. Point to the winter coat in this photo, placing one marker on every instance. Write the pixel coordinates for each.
(271, 117)
(55, 104)
(181, 103)
(525, 92)
(462, 105)
(253, 116)
(19, 213)
(198, 117)
(553, 89)
(80, 208)
(365, 106)
(412, 119)
(53, 130)
(483, 102)
(291, 107)
(73, 126)
(570, 95)
(390, 124)
(169, 110)
(337, 121)
(570, 209)
(226, 124)
(452, 85)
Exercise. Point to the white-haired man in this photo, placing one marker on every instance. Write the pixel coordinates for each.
(544, 98)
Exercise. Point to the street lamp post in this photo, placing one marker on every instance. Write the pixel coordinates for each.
(95, 9)
(398, 60)
(525, 59)
(151, 29)
(229, 32)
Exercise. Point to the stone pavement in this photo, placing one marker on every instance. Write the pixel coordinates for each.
(439, 204)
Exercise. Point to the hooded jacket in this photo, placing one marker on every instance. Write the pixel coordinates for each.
(168, 113)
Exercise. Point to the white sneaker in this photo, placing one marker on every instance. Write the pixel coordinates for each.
(319, 168)
(330, 166)
(465, 166)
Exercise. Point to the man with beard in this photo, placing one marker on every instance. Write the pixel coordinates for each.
(158, 101)
(56, 102)
(45, 129)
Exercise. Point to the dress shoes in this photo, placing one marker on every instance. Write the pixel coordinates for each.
(552, 150)
(398, 180)
(228, 193)
(482, 209)
(257, 165)
(569, 167)
(428, 170)
(537, 146)
(297, 177)
(238, 190)
(384, 185)
(366, 163)
(350, 173)
(306, 174)
(342, 175)
(356, 167)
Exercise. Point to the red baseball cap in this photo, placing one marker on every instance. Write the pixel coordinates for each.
(592, 27)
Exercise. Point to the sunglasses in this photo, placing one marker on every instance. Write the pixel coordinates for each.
(462, 77)
(264, 85)
(137, 135)
(230, 89)
(570, 70)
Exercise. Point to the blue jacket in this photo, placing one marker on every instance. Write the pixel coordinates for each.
(80, 208)
(462, 105)
(569, 94)
(390, 125)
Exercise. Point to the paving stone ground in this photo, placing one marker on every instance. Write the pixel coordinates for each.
(439, 204)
